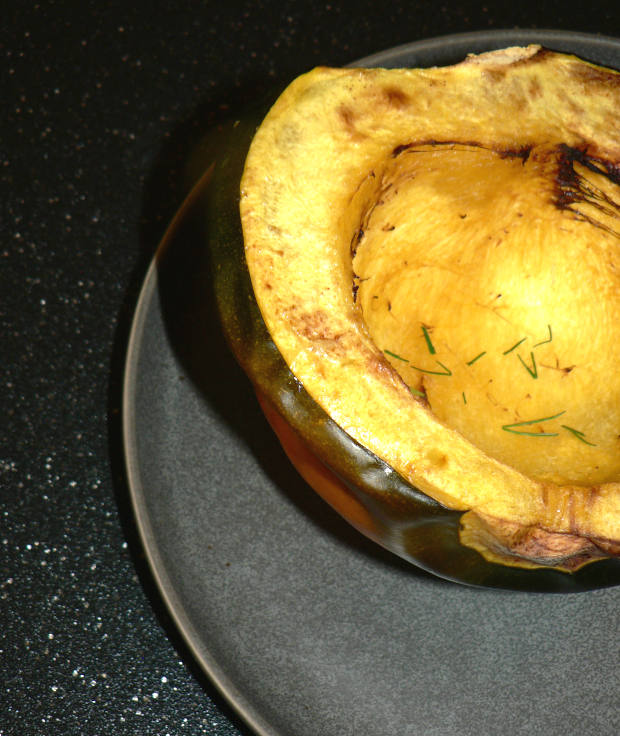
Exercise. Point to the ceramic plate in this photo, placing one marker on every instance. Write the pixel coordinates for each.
(306, 627)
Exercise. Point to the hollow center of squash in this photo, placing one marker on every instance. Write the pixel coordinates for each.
(491, 282)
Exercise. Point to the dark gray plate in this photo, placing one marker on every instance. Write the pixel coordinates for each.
(306, 627)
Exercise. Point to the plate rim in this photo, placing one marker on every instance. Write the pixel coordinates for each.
(157, 566)
(533, 35)
(166, 589)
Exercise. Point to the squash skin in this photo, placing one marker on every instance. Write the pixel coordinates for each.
(407, 521)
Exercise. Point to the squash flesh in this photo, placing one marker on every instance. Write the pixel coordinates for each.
(338, 130)
(498, 315)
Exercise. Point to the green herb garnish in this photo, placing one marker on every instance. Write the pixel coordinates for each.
(473, 360)
(429, 343)
(579, 435)
(393, 355)
(464, 398)
(445, 372)
(544, 342)
(529, 422)
(516, 345)
(416, 392)
(532, 371)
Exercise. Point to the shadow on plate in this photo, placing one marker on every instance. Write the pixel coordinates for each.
(190, 313)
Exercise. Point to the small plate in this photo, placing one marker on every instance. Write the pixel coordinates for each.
(306, 627)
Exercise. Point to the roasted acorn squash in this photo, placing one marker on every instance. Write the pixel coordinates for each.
(436, 258)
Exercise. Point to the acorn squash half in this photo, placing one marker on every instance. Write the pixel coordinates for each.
(436, 257)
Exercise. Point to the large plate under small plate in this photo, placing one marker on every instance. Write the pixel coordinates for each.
(306, 627)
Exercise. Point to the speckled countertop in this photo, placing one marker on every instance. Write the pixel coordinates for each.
(100, 100)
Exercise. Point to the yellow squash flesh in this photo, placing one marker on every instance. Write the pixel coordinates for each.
(436, 254)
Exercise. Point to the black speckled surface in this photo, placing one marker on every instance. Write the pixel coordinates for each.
(100, 100)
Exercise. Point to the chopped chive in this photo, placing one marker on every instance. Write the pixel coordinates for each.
(544, 342)
(536, 421)
(446, 371)
(464, 398)
(416, 392)
(516, 345)
(429, 344)
(393, 355)
(529, 422)
(531, 434)
(532, 371)
(473, 360)
(579, 435)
